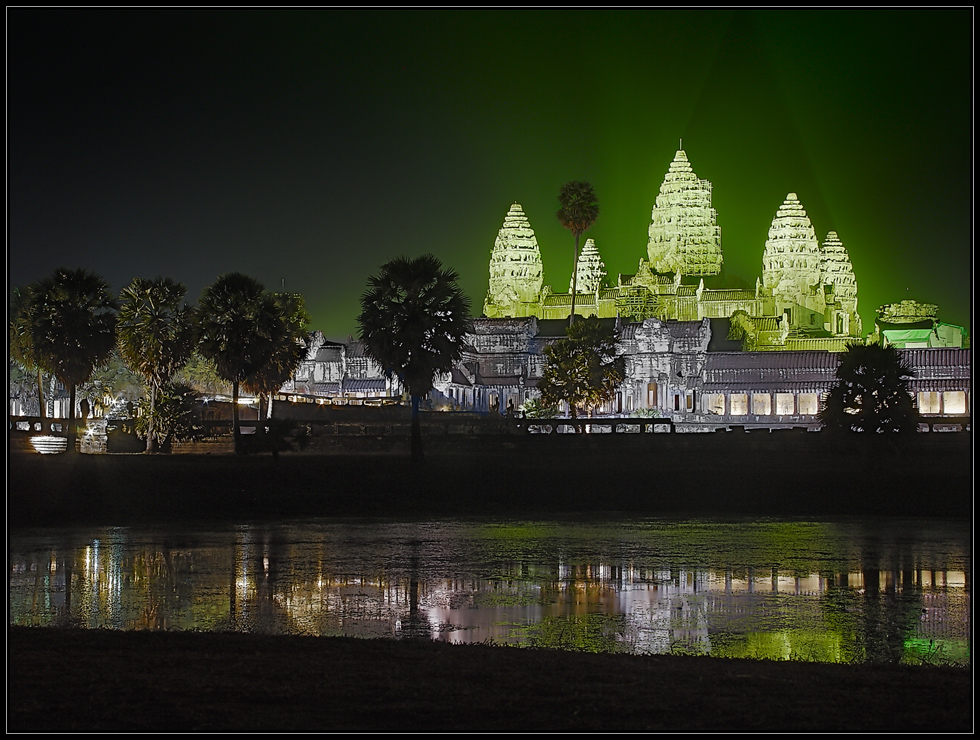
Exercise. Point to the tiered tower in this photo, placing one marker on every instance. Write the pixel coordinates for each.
(684, 232)
(791, 264)
(515, 269)
(591, 269)
(840, 287)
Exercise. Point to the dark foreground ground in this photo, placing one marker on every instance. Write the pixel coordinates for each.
(88, 681)
(109, 681)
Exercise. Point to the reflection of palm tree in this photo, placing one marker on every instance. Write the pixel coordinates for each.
(154, 335)
(237, 321)
(579, 210)
(413, 319)
(72, 324)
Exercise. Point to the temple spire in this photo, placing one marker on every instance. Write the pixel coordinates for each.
(684, 236)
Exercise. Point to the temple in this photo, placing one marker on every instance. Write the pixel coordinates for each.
(707, 358)
(806, 298)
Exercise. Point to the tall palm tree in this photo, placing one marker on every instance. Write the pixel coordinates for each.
(236, 321)
(72, 325)
(21, 344)
(579, 210)
(413, 319)
(155, 335)
(289, 346)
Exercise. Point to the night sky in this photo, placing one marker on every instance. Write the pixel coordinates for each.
(307, 148)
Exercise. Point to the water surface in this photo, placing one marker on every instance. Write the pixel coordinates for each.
(848, 590)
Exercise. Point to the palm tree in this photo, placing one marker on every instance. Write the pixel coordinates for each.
(579, 210)
(872, 392)
(72, 325)
(288, 349)
(21, 344)
(236, 321)
(414, 317)
(582, 370)
(155, 335)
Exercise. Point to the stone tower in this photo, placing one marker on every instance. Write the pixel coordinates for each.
(840, 288)
(515, 269)
(591, 269)
(684, 232)
(791, 265)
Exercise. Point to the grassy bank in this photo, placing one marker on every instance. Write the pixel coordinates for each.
(751, 475)
(88, 681)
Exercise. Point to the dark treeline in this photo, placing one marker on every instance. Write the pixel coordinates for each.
(70, 325)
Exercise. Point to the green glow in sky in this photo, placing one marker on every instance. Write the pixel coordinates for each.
(307, 148)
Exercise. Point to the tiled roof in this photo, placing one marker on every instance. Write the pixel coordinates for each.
(329, 354)
(684, 329)
(365, 384)
(727, 295)
(826, 344)
(947, 361)
(502, 326)
(565, 299)
(774, 371)
(766, 323)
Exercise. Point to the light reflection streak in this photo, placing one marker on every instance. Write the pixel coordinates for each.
(265, 582)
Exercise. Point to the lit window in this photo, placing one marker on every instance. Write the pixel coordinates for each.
(784, 404)
(809, 403)
(651, 395)
(929, 402)
(714, 403)
(739, 403)
(761, 404)
(954, 402)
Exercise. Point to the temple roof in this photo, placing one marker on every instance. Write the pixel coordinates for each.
(733, 294)
(770, 371)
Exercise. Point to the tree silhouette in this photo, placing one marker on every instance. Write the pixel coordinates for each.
(175, 417)
(71, 321)
(20, 341)
(238, 326)
(155, 336)
(289, 346)
(577, 212)
(872, 392)
(583, 369)
(413, 319)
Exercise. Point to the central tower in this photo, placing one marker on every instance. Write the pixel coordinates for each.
(684, 232)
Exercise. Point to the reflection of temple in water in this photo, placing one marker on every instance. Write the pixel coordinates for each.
(262, 584)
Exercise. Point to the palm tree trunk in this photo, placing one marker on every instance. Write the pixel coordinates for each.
(72, 431)
(40, 396)
(52, 394)
(236, 432)
(150, 442)
(571, 316)
(417, 453)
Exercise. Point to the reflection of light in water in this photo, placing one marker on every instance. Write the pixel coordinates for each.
(266, 579)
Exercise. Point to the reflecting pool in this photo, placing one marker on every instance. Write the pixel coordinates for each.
(848, 590)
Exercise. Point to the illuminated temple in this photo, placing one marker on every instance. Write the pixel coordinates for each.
(806, 298)
(708, 358)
